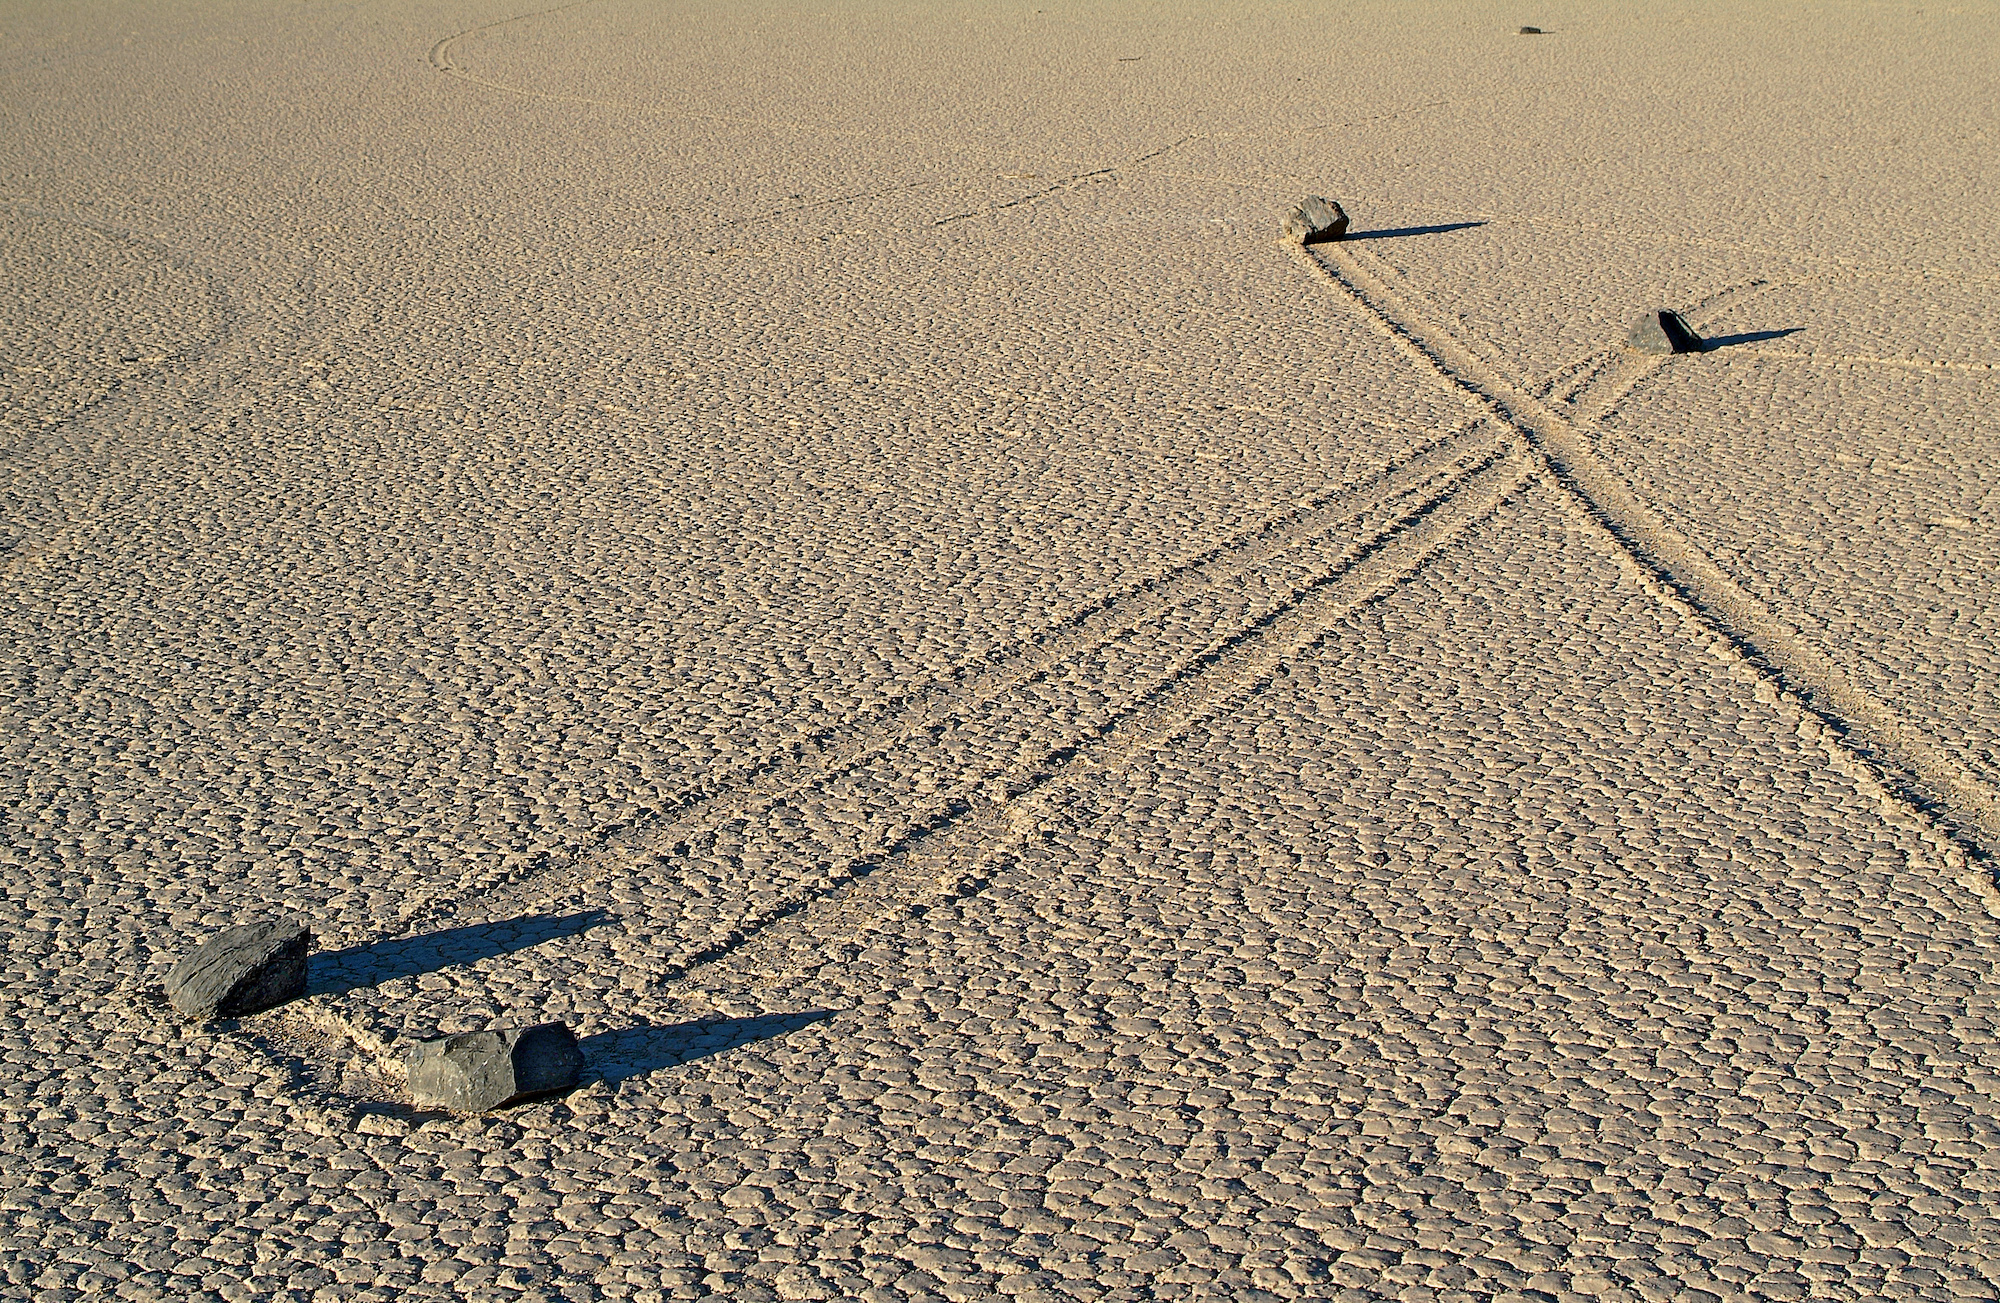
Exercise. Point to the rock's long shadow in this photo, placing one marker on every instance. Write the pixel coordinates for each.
(633, 1051)
(1747, 337)
(383, 961)
(1399, 232)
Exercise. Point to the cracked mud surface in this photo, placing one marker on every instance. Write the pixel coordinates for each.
(1048, 746)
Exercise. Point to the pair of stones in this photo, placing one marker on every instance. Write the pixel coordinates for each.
(262, 965)
(1318, 220)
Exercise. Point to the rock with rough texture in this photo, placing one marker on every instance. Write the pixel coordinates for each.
(473, 1072)
(1531, 31)
(1316, 221)
(1664, 331)
(242, 970)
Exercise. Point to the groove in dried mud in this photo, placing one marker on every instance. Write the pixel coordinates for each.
(1111, 616)
(956, 859)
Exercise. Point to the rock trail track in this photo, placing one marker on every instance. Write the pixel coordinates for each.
(1766, 640)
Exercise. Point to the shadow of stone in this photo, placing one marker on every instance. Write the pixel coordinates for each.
(634, 1051)
(383, 961)
(1401, 232)
(1748, 337)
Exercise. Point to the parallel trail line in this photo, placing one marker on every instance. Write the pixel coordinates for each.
(960, 860)
(1061, 748)
(1113, 616)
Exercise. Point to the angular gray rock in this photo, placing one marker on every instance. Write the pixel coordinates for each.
(1664, 331)
(476, 1071)
(242, 970)
(1315, 221)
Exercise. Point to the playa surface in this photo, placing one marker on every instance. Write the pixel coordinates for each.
(1049, 744)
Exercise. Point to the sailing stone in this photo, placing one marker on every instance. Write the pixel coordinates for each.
(1316, 221)
(1664, 331)
(242, 970)
(473, 1072)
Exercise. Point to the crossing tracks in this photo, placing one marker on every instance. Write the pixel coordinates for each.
(788, 862)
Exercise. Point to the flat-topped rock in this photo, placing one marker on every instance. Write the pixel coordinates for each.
(1663, 331)
(242, 970)
(1315, 221)
(473, 1072)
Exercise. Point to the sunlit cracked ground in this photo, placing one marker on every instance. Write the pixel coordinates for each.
(1041, 750)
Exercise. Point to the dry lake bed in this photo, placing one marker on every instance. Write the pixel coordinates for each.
(1047, 742)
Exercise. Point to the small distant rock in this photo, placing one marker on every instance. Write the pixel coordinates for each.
(1664, 331)
(1316, 221)
(242, 970)
(474, 1072)
(1532, 31)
